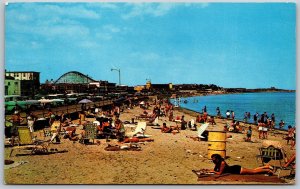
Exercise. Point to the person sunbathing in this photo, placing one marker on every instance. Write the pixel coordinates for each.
(222, 167)
(135, 140)
(291, 161)
(212, 120)
(165, 129)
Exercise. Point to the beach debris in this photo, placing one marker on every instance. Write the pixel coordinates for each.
(14, 164)
(188, 151)
(200, 155)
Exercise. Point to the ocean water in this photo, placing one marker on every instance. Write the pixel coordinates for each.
(283, 105)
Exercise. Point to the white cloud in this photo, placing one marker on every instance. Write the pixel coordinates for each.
(77, 11)
(152, 9)
(111, 28)
(88, 44)
(103, 36)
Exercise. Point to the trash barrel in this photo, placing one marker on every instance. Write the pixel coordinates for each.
(216, 143)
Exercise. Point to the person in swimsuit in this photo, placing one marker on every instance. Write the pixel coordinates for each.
(222, 167)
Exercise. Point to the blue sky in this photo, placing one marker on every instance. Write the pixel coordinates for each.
(248, 45)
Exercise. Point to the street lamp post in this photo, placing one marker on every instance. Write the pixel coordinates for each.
(119, 70)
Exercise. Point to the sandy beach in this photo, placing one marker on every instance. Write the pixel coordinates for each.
(169, 159)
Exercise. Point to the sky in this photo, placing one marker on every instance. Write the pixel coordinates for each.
(250, 45)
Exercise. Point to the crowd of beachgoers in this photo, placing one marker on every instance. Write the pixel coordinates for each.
(118, 128)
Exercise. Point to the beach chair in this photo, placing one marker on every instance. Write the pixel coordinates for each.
(47, 133)
(140, 129)
(90, 132)
(274, 154)
(266, 154)
(55, 127)
(25, 140)
(192, 124)
(201, 129)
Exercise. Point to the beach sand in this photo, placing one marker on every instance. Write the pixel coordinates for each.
(169, 159)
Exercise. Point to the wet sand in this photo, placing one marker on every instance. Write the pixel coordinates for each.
(169, 159)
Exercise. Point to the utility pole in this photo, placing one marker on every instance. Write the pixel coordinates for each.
(118, 70)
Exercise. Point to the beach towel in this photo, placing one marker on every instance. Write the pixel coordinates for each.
(203, 175)
(123, 148)
(232, 178)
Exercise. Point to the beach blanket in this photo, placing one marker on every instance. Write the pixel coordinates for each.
(261, 178)
(123, 148)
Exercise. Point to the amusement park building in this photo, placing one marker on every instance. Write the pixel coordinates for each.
(78, 83)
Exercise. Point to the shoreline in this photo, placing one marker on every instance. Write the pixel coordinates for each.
(241, 121)
(194, 113)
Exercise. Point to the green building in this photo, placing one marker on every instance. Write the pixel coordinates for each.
(12, 86)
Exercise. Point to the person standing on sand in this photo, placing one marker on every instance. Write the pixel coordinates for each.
(218, 112)
(204, 109)
(255, 117)
(273, 118)
(245, 117)
(249, 134)
(16, 121)
(171, 115)
(232, 114)
(227, 114)
(260, 129)
(281, 124)
(265, 116)
(30, 121)
(183, 123)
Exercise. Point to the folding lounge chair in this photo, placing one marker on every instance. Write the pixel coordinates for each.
(201, 129)
(26, 141)
(271, 153)
(140, 129)
(90, 132)
(47, 133)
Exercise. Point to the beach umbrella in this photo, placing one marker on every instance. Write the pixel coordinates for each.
(85, 101)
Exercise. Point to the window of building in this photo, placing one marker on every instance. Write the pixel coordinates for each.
(24, 75)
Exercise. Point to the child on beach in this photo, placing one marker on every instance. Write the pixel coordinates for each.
(249, 134)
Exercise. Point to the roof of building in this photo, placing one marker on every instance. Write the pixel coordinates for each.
(74, 77)
(21, 72)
